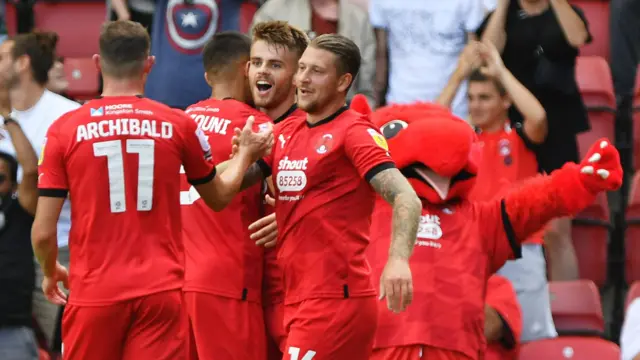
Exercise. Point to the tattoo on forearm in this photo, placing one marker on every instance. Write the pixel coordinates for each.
(252, 176)
(396, 190)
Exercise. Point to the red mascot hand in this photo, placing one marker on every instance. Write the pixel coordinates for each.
(600, 170)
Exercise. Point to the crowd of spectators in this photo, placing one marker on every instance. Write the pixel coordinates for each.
(412, 50)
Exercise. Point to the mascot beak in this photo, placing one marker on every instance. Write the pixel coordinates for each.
(439, 183)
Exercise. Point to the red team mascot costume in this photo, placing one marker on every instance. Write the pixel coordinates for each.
(461, 243)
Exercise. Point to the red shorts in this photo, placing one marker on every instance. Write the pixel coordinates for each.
(152, 327)
(416, 352)
(224, 328)
(277, 337)
(331, 329)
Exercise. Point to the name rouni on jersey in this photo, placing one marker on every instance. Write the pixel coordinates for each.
(115, 127)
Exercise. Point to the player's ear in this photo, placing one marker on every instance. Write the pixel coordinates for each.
(344, 81)
(246, 68)
(96, 62)
(206, 78)
(148, 64)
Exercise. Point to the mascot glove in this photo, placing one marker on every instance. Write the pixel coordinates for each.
(600, 170)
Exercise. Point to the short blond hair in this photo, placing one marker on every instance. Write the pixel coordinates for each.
(281, 33)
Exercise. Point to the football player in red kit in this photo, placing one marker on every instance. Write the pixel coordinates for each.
(223, 270)
(461, 243)
(327, 167)
(118, 158)
(275, 50)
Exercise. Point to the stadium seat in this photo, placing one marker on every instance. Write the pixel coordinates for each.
(590, 236)
(43, 355)
(10, 18)
(597, 13)
(576, 307)
(632, 233)
(596, 86)
(633, 293)
(247, 10)
(563, 348)
(83, 78)
(79, 36)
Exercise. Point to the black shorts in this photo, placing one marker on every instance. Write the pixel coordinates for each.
(557, 151)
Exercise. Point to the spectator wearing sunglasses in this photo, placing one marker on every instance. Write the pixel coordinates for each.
(17, 208)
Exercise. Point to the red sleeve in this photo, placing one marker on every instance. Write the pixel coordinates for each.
(502, 298)
(196, 153)
(367, 149)
(52, 179)
(507, 222)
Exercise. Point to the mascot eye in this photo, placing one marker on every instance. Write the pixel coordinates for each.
(392, 128)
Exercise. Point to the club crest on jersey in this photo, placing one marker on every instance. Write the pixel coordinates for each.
(324, 144)
(504, 147)
(379, 139)
(191, 24)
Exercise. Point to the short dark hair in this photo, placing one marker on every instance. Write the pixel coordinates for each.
(40, 47)
(478, 76)
(13, 166)
(124, 47)
(225, 49)
(347, 52)
(281, 33)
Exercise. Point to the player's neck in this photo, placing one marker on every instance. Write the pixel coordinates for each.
(495, 126)
(122, 87)
(25, 95)
(282, 108)
(228, 90)
(328, 110)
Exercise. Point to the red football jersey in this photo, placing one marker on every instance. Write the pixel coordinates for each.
(119, 160)
(324, 203)
(221, 258)
(457, 249)
(272, 285)
(505, 162)
(502, 298)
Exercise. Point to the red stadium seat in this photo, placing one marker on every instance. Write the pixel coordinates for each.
(563, 348)
(632, 233)
(596, 87)
(79, 36)
(10, 18)
(633, 293)
(247, 10)
(43, 355)
(590, 235)
(83, 78)
(597, 13)
(576, 307)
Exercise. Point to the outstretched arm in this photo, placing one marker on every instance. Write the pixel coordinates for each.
(565, 192)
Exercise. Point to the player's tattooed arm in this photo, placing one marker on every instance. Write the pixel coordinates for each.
(396, 190)
(252, 176)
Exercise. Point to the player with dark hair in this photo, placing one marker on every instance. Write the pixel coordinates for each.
(326, 168)
(275, 50)
(119, 158)
(223, 279)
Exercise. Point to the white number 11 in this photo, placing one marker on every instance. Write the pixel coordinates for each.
(115, 165)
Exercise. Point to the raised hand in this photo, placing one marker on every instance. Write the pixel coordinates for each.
(601, 169)
(252, 144)
(491, 58)
(469, 59)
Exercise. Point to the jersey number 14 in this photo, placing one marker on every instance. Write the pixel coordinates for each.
(115, 166)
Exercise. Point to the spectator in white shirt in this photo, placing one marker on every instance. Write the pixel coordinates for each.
(422, 41)
(630, 336)
(25, 61)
